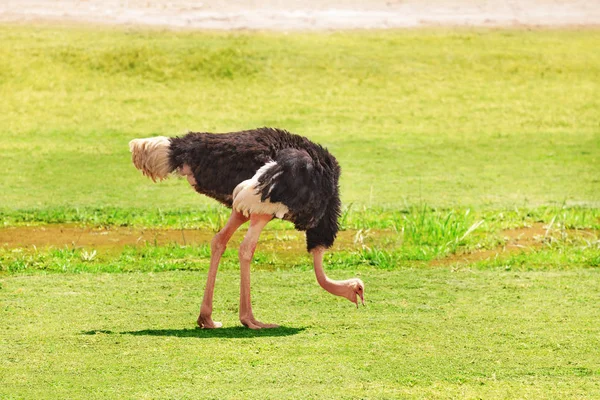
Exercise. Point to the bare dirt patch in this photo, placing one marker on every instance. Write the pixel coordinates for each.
(116, 238)
(286, 15)
(518, 240)
(77, 236)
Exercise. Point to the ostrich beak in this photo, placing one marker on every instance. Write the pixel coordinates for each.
(359, 291)
(362, 299)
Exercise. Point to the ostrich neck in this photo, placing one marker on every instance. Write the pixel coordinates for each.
(338, 288)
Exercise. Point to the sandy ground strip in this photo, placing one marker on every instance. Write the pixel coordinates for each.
(290, 15)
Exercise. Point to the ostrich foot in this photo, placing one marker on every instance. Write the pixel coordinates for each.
(252, 323)
(206, 322)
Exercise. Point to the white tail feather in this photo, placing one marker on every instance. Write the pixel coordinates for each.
(151, 156)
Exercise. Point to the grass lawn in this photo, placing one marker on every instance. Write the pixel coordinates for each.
(425, 333)
(471, 190)
(486, 118)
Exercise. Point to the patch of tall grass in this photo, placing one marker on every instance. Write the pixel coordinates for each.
(422, 224)
(418, 236)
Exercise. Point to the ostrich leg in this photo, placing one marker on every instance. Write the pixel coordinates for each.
(247, 248)
(217, 248)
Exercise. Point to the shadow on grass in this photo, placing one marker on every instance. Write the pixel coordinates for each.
(230, 332)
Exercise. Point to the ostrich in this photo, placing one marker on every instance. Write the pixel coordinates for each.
(260, 174)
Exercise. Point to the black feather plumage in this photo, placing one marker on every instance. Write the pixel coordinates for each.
(305, 177)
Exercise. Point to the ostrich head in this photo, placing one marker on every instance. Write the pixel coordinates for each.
(351, 289)
(354, 288)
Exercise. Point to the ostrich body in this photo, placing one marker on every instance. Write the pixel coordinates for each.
(260, 174)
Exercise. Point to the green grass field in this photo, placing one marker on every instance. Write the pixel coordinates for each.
(426, 333)
(447, 118)
(471, 190)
